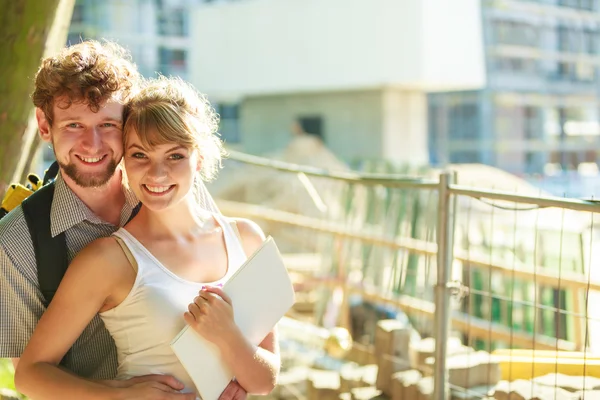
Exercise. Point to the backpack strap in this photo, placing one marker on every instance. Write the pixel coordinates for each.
(50, 252)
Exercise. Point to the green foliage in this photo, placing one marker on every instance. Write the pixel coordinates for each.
(6, 374)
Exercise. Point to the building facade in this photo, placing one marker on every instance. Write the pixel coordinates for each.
(509, 83)
(354, 73)
(539, 109)
(156, 32)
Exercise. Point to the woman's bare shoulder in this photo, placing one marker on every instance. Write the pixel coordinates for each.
(251, 234)
(103, 253)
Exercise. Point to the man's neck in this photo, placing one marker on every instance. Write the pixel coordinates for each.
(105, 201)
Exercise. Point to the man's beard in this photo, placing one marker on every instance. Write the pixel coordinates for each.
(89, 180)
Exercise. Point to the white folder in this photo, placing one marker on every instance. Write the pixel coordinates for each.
(261, 293)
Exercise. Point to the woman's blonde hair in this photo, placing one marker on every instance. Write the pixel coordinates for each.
(169, 110)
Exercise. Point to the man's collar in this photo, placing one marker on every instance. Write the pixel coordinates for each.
(68, 210)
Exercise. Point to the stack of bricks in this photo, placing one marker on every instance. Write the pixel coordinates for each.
(393, 341)
(323, 385)
(551, 386)
(353, 382)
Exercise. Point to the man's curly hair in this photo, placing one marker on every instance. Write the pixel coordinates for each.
(90, 72)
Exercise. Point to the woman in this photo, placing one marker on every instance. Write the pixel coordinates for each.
(163, 269)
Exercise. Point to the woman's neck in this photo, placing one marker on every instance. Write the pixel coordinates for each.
(184, 221)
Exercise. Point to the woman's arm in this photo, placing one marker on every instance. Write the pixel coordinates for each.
(256, 368)
(88, 286)
(81, 294)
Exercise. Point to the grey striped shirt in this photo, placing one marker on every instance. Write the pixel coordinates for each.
(93, 355)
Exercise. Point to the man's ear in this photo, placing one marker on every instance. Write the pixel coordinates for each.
(43, 125)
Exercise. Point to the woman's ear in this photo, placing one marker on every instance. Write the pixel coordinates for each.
(43, 125)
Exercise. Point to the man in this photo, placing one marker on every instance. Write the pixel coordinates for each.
(79, 96)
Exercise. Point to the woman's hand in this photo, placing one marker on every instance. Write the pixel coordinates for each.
(211, 315)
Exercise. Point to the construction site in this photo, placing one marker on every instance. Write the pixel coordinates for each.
(470, 275)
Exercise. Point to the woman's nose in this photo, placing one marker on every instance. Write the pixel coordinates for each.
(157, 170)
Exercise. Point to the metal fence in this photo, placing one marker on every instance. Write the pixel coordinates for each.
(502, 270)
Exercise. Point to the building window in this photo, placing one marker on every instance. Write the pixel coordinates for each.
(463, 121)
(229, 122)
(78, 15)
(570, 40)
(587, 5)
(173, 62)
(312, 125)
(172, 22)
(76, 37)
(465, 157)
(590, 41)
(532, 127)
(516, 33)
(519, 65)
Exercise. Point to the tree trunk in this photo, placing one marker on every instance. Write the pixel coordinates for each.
(29, 30)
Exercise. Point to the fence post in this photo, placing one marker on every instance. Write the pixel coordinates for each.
(445, 257)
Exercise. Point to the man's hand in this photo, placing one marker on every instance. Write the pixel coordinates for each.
(150, 387)
(233, 391)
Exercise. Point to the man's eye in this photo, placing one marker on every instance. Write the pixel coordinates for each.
(109, 125)
(73, 125)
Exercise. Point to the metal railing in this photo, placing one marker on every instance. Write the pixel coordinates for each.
(449, 255)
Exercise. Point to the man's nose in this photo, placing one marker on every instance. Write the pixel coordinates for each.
(92, 140)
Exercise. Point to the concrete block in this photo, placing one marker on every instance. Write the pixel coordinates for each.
(366, 393)
(421, 350)
(474, 393)
(588, 395)
(568, 382)
(323, 385)
(388, 365)
(521, 389)
(402, 381)
(473, 369)
(393, 337)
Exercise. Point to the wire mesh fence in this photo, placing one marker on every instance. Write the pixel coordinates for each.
(496, 290)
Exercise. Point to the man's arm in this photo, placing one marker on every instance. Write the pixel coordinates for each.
(15, 361)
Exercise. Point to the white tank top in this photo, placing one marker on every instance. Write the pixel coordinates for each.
(151, 315)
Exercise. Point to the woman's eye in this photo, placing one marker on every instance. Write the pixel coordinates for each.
(177, 156)
(138, 155)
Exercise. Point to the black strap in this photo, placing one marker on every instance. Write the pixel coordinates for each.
(50, 252)
(50, 173)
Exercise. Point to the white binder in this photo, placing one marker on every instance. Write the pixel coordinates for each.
(261, 293)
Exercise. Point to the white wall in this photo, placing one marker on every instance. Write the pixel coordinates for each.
(404, 127)
(251, 47)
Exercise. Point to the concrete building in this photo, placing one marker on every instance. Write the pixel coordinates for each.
(156, 32)
(508, 83)
(540, 105)
(356, 73)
